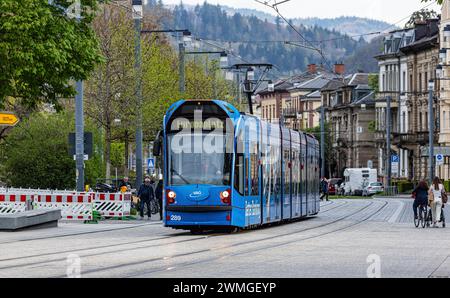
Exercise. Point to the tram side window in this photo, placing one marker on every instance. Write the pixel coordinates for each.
(239, 173)
(246, 191)
(239, 165)
(254, 167)
(287, 172)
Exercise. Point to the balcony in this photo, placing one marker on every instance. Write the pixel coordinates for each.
(291, 113)
(405, 139)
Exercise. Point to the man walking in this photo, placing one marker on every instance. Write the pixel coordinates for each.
(324, 188)
(146, 194)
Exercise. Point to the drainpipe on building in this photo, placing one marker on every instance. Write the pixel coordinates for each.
(431, 129)
(388, 141)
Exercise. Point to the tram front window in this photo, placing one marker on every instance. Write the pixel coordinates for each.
(193, 161)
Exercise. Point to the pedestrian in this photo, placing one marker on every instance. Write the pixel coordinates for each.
(420, 196)
(324, 188)
(435, 195)
(159, 195)
(146, 194)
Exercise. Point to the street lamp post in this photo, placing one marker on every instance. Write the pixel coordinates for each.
(250, 82)
(388, 141)
(79, 135)
(137, 16)
(431, 128)
(79, 132)
(322, 139)
(182, 68)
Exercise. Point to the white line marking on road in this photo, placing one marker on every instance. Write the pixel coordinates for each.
(397, 213)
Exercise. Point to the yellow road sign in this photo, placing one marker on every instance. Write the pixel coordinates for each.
(8, 119)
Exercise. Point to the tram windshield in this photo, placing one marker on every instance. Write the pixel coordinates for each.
(199, 159)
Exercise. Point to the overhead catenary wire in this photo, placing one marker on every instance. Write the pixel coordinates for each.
(275, 8)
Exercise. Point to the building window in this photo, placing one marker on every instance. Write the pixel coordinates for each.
(410, 83)
(404, 81)
(444, 119)
(404, 122)
(420, 121)
(420, 82)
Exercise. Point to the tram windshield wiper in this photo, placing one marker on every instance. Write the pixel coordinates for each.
(172, 170)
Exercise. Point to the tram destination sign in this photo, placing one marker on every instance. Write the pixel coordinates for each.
(8, 119)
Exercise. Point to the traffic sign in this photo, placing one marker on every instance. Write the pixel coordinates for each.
(395, 158)
(8, 119)
(86, 157)
(395, 165)
(439, 160)
(88, 144)
(151, 163)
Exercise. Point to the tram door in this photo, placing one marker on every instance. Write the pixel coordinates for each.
(287, 175)
(303, 175)
(295, 184)
(271, 172)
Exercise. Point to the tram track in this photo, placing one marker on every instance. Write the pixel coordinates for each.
(122, 243)
(267, 246)
(78, 234)
(42, 262)
(238, 244)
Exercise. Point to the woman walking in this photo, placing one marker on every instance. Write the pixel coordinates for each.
(435, 197)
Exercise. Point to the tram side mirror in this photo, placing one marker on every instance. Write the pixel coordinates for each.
(157, 145)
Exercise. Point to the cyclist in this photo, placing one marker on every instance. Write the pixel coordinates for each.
(420, 196)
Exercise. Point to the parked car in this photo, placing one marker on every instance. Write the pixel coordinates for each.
(105, 188)
(333, 185)
(373, 188)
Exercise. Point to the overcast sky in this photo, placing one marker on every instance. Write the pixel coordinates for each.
(391, 11)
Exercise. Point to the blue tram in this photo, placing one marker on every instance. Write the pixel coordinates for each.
(225, 169)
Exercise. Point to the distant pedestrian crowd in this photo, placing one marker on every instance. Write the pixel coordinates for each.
(148, 193)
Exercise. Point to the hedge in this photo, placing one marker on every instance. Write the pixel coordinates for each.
(405, 186)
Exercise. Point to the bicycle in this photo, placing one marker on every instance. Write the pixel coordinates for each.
(154, 205)
(420, 220)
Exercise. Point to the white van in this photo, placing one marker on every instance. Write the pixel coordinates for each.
(357, 179)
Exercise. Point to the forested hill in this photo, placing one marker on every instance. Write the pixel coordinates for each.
(258, 40)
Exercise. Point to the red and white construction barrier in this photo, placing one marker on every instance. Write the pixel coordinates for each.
(112, 204)
(11, 203)
(73, 207)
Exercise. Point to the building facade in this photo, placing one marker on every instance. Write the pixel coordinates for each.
(444, 92)
(406, 65)
(350, 114)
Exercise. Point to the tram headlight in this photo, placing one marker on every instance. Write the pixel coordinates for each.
(170, 196)
(225, 196)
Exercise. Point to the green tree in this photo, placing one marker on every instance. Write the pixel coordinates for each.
(109, 91)
(440, 2)
(42, 50)
(329, 152)
(374, 82)
(36, 153)
(420, 15)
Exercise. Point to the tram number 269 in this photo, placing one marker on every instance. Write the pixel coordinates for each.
(175, 217)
